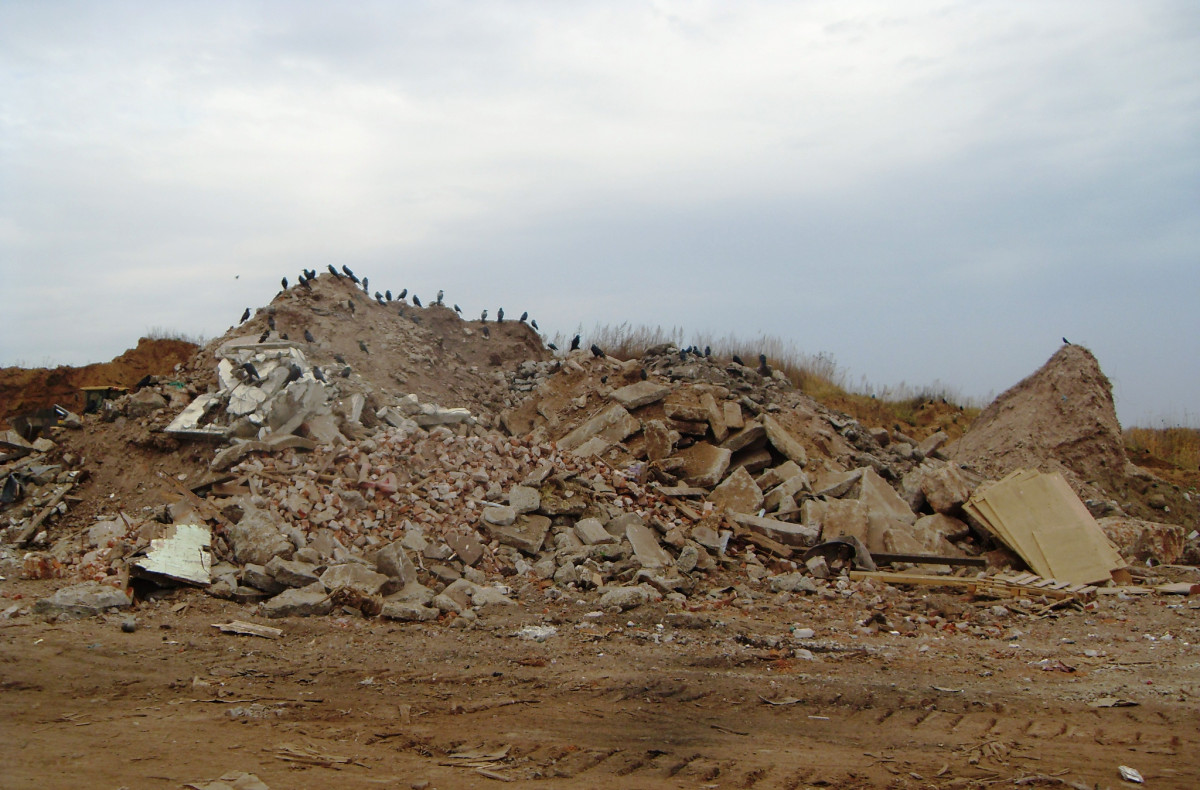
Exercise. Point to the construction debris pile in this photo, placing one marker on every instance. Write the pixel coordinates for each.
(672, 476)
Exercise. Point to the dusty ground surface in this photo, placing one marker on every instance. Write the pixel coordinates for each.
(650, 698)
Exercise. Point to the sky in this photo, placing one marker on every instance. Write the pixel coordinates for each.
(923, 191)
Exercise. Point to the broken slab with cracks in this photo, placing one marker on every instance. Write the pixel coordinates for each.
(181, 555)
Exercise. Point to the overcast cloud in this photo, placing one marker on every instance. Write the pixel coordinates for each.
(925, 191)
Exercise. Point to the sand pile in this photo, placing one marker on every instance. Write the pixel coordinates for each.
(1061, 419)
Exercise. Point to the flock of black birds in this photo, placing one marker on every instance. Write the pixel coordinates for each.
(385, 298)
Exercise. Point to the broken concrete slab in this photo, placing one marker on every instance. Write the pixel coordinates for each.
(258, 539)
(1145, 540)
(837, 484)
(465, 544)
(355, 577)
(624, 598)
(524, 499)
(752, 433)
(408, 611)
(945, 489)
(591, 532)
(646, 547)
(737, 492)
(641, 393)
(292, 573)
(392, 561)
(613, 424)
(703, 464)
(732, 413)
(783, 441)
(934, 534)
(837, 517)
(498, 516)
(784, 532)
(258, 577)
(83, 600)
(180, 555)
(526, 534)
(715, 416)
(881, 500)
(309, 601)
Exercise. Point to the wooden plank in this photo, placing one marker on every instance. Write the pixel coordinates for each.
(31, 528)
(927, 559)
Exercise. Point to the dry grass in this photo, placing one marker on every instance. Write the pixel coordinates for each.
(162, 333)
(1177, 446)
(919, 410)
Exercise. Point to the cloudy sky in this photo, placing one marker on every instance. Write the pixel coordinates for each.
(925, 191)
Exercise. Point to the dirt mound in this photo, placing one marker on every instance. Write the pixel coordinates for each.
(1061, 418)
(390, 348)
(24, 390)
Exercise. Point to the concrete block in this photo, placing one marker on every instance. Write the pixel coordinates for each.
(703, 464)
(737, 492)
(641, 393)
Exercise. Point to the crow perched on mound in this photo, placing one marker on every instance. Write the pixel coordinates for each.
(416, 300)
(308, 337)
(245, 316)
(597, 351)
(575, 343)
(738, 360)
(283, 282)
(524, 317)
(334, 272)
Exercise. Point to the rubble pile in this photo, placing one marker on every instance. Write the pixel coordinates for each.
(322, 481)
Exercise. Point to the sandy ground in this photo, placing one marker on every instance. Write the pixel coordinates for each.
(649, 698)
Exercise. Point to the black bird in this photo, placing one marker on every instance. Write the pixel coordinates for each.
(308, 337)
(738, 360)
(552, 347)
(251, 371)
(683, 355)
(349, 273)
(363, 346)
(263, 337)
(575, 343)
(644, 374)
(763, 368)
(534, 325)
(245, 316)
(500, 315)
(403, 294)
(334, 272)
(294, 372)
(487, 332)
(416, 300)
(439, 298)
(387, 295)
(271, 322)
(364, 285)
(350, 303)
(340, 359)
(283, 282)
(318, 375)
(379, 298)
(345, 372)
(597, 351)
(458, 309)
(708, 351)
(304, 282)
(483, 316)
(1065, 341)
(524, 317)
(283, 336)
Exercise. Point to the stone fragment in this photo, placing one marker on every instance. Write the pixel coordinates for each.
(355, 577)
(393, 561)
(933, 533)
(752, 433)
(945, 489)
(102, 533)
(257, 538)
(524, 499)
(837, 517)
(465, 545)
(783, 441)
(783, 532)
(817, 566)
(660, 440)
(431, 415)
(753, 461)
(737, 492)
(259, 578)
(408, 611)
(624, 598)
(881, 500)
(777, 474)
(323, 429)
(292, 573)
(715, 417)
(689, 558)
(592, 447)
(618, 526)
(703, 464)
(613, 424)
(733, 415)
(591, 532)
(881, 436)
(646, 547)
(641, 393)
(144, 402)
(792, 582)
(83, 600)
(501, 516)
(837, 484)
(299, 602)
(1145, 540)
(932, 443)
(526, 534)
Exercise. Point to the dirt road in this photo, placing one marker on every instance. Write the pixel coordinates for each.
(648, 698)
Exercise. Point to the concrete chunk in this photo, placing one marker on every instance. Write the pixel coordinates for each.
(837, 484)
(646, 547)
(292, 573)
(639, 394)
(258, 539)
(783, 441)
(737, 492)
(526, 534)
(392, 561)
(751, 433)
(353, 576)
(783, 532)
(83, 600)
(301, 602)
(524, 499)
(945, 489)
(703, 464)
(882, 500)
(613, 424)
(592, 532)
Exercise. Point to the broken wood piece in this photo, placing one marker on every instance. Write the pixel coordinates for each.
(31, 529)
(249, 629)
